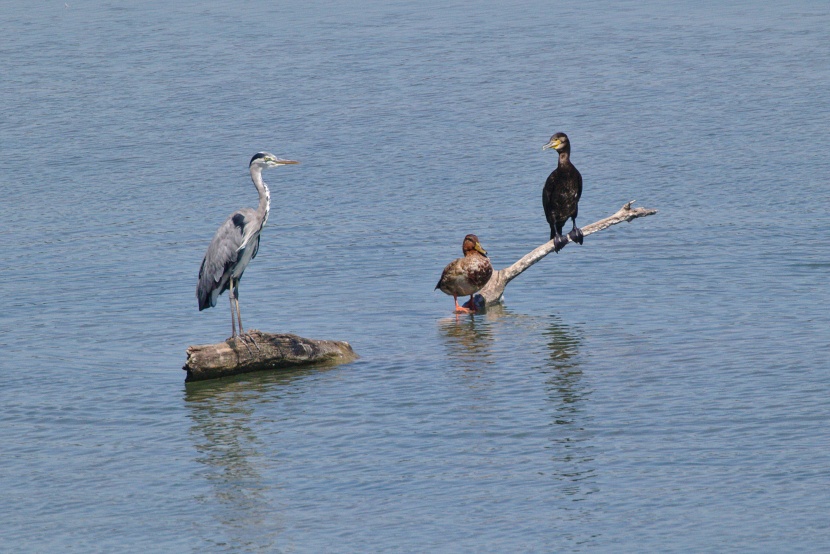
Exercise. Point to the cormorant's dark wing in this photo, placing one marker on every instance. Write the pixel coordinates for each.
(220, 257)
(547, 199)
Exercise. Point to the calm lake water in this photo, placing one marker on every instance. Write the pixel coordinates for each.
(662, 388)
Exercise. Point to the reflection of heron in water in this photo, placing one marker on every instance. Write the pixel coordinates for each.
(226, 422)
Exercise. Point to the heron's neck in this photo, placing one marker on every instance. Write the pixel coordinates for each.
(264, 194)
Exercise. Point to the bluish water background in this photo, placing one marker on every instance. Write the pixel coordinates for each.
(662, 388)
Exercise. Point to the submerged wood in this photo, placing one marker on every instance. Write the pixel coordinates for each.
(493, 291)
(262, 351)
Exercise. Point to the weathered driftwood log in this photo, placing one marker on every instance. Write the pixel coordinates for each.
(262, 351)
(494, 289)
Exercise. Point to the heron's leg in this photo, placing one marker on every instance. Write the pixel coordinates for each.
(242, 334)
(238, 313)
(233, 316)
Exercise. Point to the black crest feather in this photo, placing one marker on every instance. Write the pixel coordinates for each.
(257, 156)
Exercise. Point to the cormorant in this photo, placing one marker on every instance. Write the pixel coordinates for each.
(560, 197)
(466, 275)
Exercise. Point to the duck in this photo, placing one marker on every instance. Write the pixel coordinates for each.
(467, 275)
(561, 194)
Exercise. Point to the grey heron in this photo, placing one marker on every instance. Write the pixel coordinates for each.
(235, 244)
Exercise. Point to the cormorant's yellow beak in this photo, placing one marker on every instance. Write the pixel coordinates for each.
(481, 249)
(552, 144)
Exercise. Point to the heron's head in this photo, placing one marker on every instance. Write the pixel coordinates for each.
(263, 160)
(558, 142)
(471, 244)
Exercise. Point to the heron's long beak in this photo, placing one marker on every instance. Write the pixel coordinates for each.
(280, 161)
(552, 144)
(481, 249)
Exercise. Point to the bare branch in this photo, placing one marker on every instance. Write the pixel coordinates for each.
(494, 289)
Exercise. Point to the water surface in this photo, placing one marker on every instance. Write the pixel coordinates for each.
(662, 388)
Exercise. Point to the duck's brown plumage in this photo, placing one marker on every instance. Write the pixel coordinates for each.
(467, 275)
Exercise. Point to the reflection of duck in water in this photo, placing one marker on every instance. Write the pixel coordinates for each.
(466, 275)
(468, 339)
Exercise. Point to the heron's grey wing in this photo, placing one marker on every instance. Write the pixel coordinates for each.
(251, 226)
(256, 247)
(223, 250)
(221, 255)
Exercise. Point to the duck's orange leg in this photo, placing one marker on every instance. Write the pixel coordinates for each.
(470, 305)
(459, 309)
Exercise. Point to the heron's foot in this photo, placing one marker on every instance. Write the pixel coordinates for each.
(251, 337)
(559, 242)
(248, 348)
(241, 338)
(576, 235)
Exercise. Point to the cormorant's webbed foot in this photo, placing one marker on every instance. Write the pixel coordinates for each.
(576, 234)
(559, 243)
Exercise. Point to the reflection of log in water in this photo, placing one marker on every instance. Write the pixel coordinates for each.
(225, 433)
